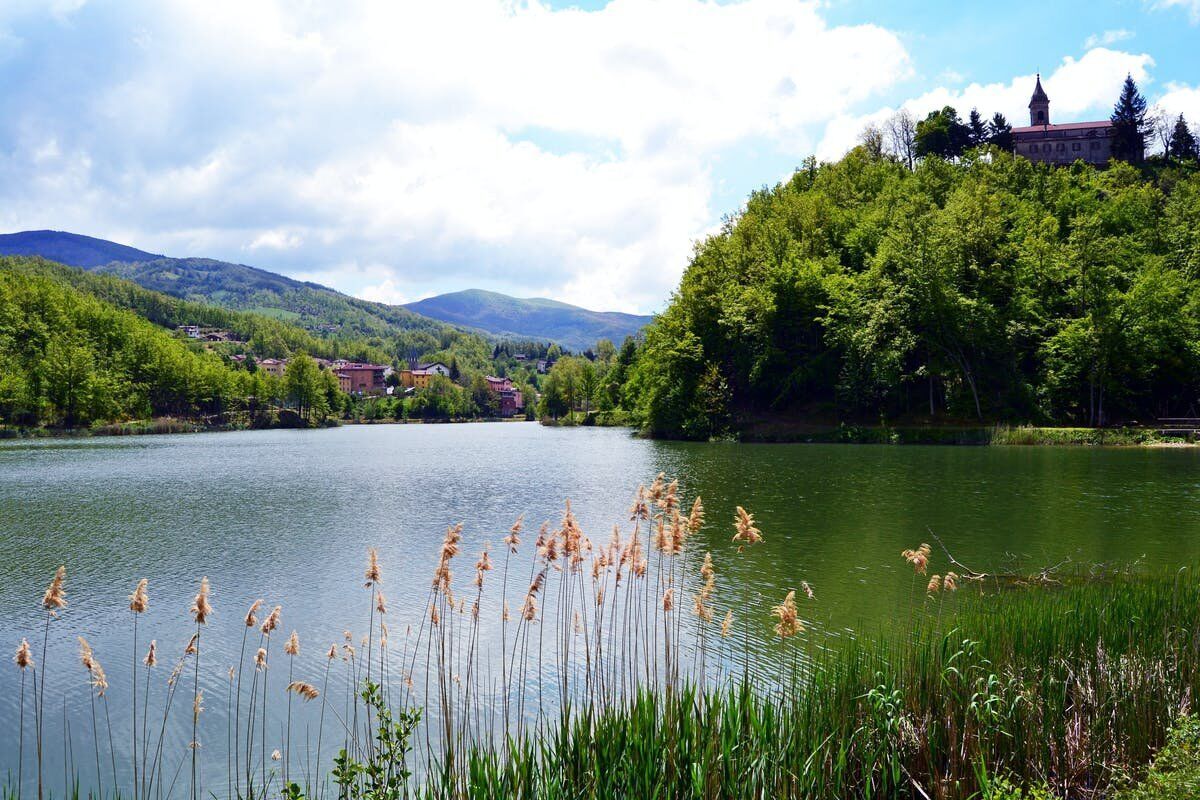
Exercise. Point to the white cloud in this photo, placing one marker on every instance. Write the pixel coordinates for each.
(1182, 99)
(401, 148)
(1078, 88)
(1190, 6)
(1107, 38)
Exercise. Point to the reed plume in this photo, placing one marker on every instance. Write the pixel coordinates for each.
(727, 624)
(950, 582)
(668, 600)
(789, 623)
(745, 532)
(373, 573)
(934, 585)
(700, 600)
(919, 558)
(55, 597)
(24, 661)
(200, 606)
(260, 659)
(292, 646)
(139, 601)
(53, 601)
(808, 590)
(696, 517)
(305, 690)
(513, 540)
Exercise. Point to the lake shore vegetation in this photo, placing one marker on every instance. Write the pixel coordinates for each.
(983, 290)
(626, 667)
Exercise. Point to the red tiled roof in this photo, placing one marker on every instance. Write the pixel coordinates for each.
(1070, 126)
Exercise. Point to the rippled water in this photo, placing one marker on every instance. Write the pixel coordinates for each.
(288, 515)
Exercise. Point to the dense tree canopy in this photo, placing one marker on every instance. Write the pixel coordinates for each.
(987, 289)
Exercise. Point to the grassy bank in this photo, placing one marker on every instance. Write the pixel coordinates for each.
(619, 668)
(790, 432)
(615, 418)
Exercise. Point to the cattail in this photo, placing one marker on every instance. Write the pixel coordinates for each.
(196, 704)
(260, 658)
(745, 533)
(935, 583)
(292, 646)
(950, 582)
(305, 690)
(372, 574)
(696, 517)
(919, 558)
(151, 658)
(808, 591)
(139, 601)
(251, 619)
(789, 623)
(200, 606)
(668, 601)
(272, 621)
(23, 657)
(55, 597)
(513, 540)
(726, 624)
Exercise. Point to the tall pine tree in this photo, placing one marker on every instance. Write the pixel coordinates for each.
(1182, 146)
(1000, 132)
(1129, 124)
(977, 129)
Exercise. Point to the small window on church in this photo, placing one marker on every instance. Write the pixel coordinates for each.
(1076, 146)
(1061, 147)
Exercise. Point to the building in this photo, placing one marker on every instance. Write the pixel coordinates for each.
(1047, 143)
(273, 366)
(418, 376)
(511, 401)
(355, 378)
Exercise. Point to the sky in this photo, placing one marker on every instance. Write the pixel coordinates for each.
(578, 150)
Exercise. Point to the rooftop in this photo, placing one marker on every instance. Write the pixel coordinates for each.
(1069, 126)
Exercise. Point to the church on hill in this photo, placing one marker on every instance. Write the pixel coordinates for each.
(1066, 143)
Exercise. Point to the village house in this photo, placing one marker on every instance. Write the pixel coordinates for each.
(418, 376)
(1065, 143)
(273, 366)
(511, 401)
(355, 378)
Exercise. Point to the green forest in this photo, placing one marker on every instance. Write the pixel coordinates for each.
(983, 288)
(80, 349)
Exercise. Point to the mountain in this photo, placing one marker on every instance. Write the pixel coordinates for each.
(70, 248)
(321, 309)
(530, 318)
(234, 286)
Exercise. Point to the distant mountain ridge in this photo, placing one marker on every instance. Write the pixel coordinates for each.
(530, 318)
(319, 308)
(72, 249)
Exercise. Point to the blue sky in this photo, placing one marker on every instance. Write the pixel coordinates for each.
(396, 149)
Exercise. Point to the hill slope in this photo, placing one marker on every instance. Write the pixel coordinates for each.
(70, 248)
(530, 318)
(235, 286)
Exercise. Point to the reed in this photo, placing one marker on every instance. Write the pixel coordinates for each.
(606, 687)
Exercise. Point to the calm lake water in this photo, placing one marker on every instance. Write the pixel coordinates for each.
(288, 515)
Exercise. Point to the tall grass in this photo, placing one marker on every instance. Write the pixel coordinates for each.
(613, 678)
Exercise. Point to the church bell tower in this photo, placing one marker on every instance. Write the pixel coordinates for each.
(1039, 105)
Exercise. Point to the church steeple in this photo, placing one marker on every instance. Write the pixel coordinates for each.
(1039, 105)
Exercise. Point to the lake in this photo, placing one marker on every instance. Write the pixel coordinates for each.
(288, 515)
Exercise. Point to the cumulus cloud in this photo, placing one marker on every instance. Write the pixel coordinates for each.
(1078, 88)
(397, 149)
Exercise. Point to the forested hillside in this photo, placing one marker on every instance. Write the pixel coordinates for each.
(983, 289)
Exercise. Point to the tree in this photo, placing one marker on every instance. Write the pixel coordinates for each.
(871, 140)
(1182, 145)
(1000, 133)
(977, 129)
(902, 137)
(1129, 124)
(306, 388)
(942, 134)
